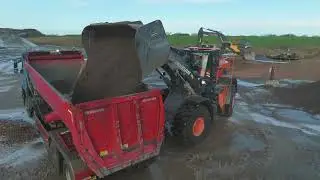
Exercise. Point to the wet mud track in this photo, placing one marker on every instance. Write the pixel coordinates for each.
(262, 140)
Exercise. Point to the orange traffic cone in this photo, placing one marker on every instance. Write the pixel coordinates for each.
(271, 72)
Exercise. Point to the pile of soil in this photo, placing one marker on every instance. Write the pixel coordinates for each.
(305, 96)
(110, 71)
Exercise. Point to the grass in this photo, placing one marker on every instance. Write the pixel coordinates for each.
(70, 40)
(285, 41)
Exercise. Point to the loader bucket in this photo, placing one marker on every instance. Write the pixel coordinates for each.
(152, 46)
(119, 56)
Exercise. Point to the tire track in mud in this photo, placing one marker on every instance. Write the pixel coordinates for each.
(231, 151)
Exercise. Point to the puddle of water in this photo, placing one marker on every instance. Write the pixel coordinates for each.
(293, 83)
(273, 114)
(264, 59)
(174, 170)
(265, 114)
(3, 78)
(262, 110)
(14, 46)
(256, 95)
(15, 114)
(282, 83)
(248, 84)
(314, 128)
(6, 67)
(317, 116)
(275, 106)
(241, 142)
(5, 89)
(29, 152)
(296, 116)
(305, 142)
(272, 121)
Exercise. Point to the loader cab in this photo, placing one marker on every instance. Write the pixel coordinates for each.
(204, 61)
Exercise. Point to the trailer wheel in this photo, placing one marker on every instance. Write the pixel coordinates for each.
(192, 124)
(68, 171)
(56, 158)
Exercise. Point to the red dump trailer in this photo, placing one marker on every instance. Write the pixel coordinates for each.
(92, 138)
(88, 134)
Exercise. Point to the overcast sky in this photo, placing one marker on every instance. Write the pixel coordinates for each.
(230, 16)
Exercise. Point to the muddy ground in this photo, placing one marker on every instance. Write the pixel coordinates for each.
(266, 138)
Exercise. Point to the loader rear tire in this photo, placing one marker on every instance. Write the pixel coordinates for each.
(192, 124)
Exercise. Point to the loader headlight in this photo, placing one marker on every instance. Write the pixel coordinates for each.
(203, 82)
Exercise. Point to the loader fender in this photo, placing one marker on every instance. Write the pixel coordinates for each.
(204, 101)
(196, 99)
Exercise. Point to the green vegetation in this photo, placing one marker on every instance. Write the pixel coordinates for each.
(68, 40)
(270, 41)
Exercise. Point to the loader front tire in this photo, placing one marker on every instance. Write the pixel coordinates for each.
(192, 124)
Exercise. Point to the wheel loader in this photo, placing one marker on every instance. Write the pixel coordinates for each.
(200, 84)
(198, 91)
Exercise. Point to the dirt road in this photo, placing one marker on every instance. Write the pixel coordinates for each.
(263, 140)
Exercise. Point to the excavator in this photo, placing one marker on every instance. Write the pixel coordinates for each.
(243, 48)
